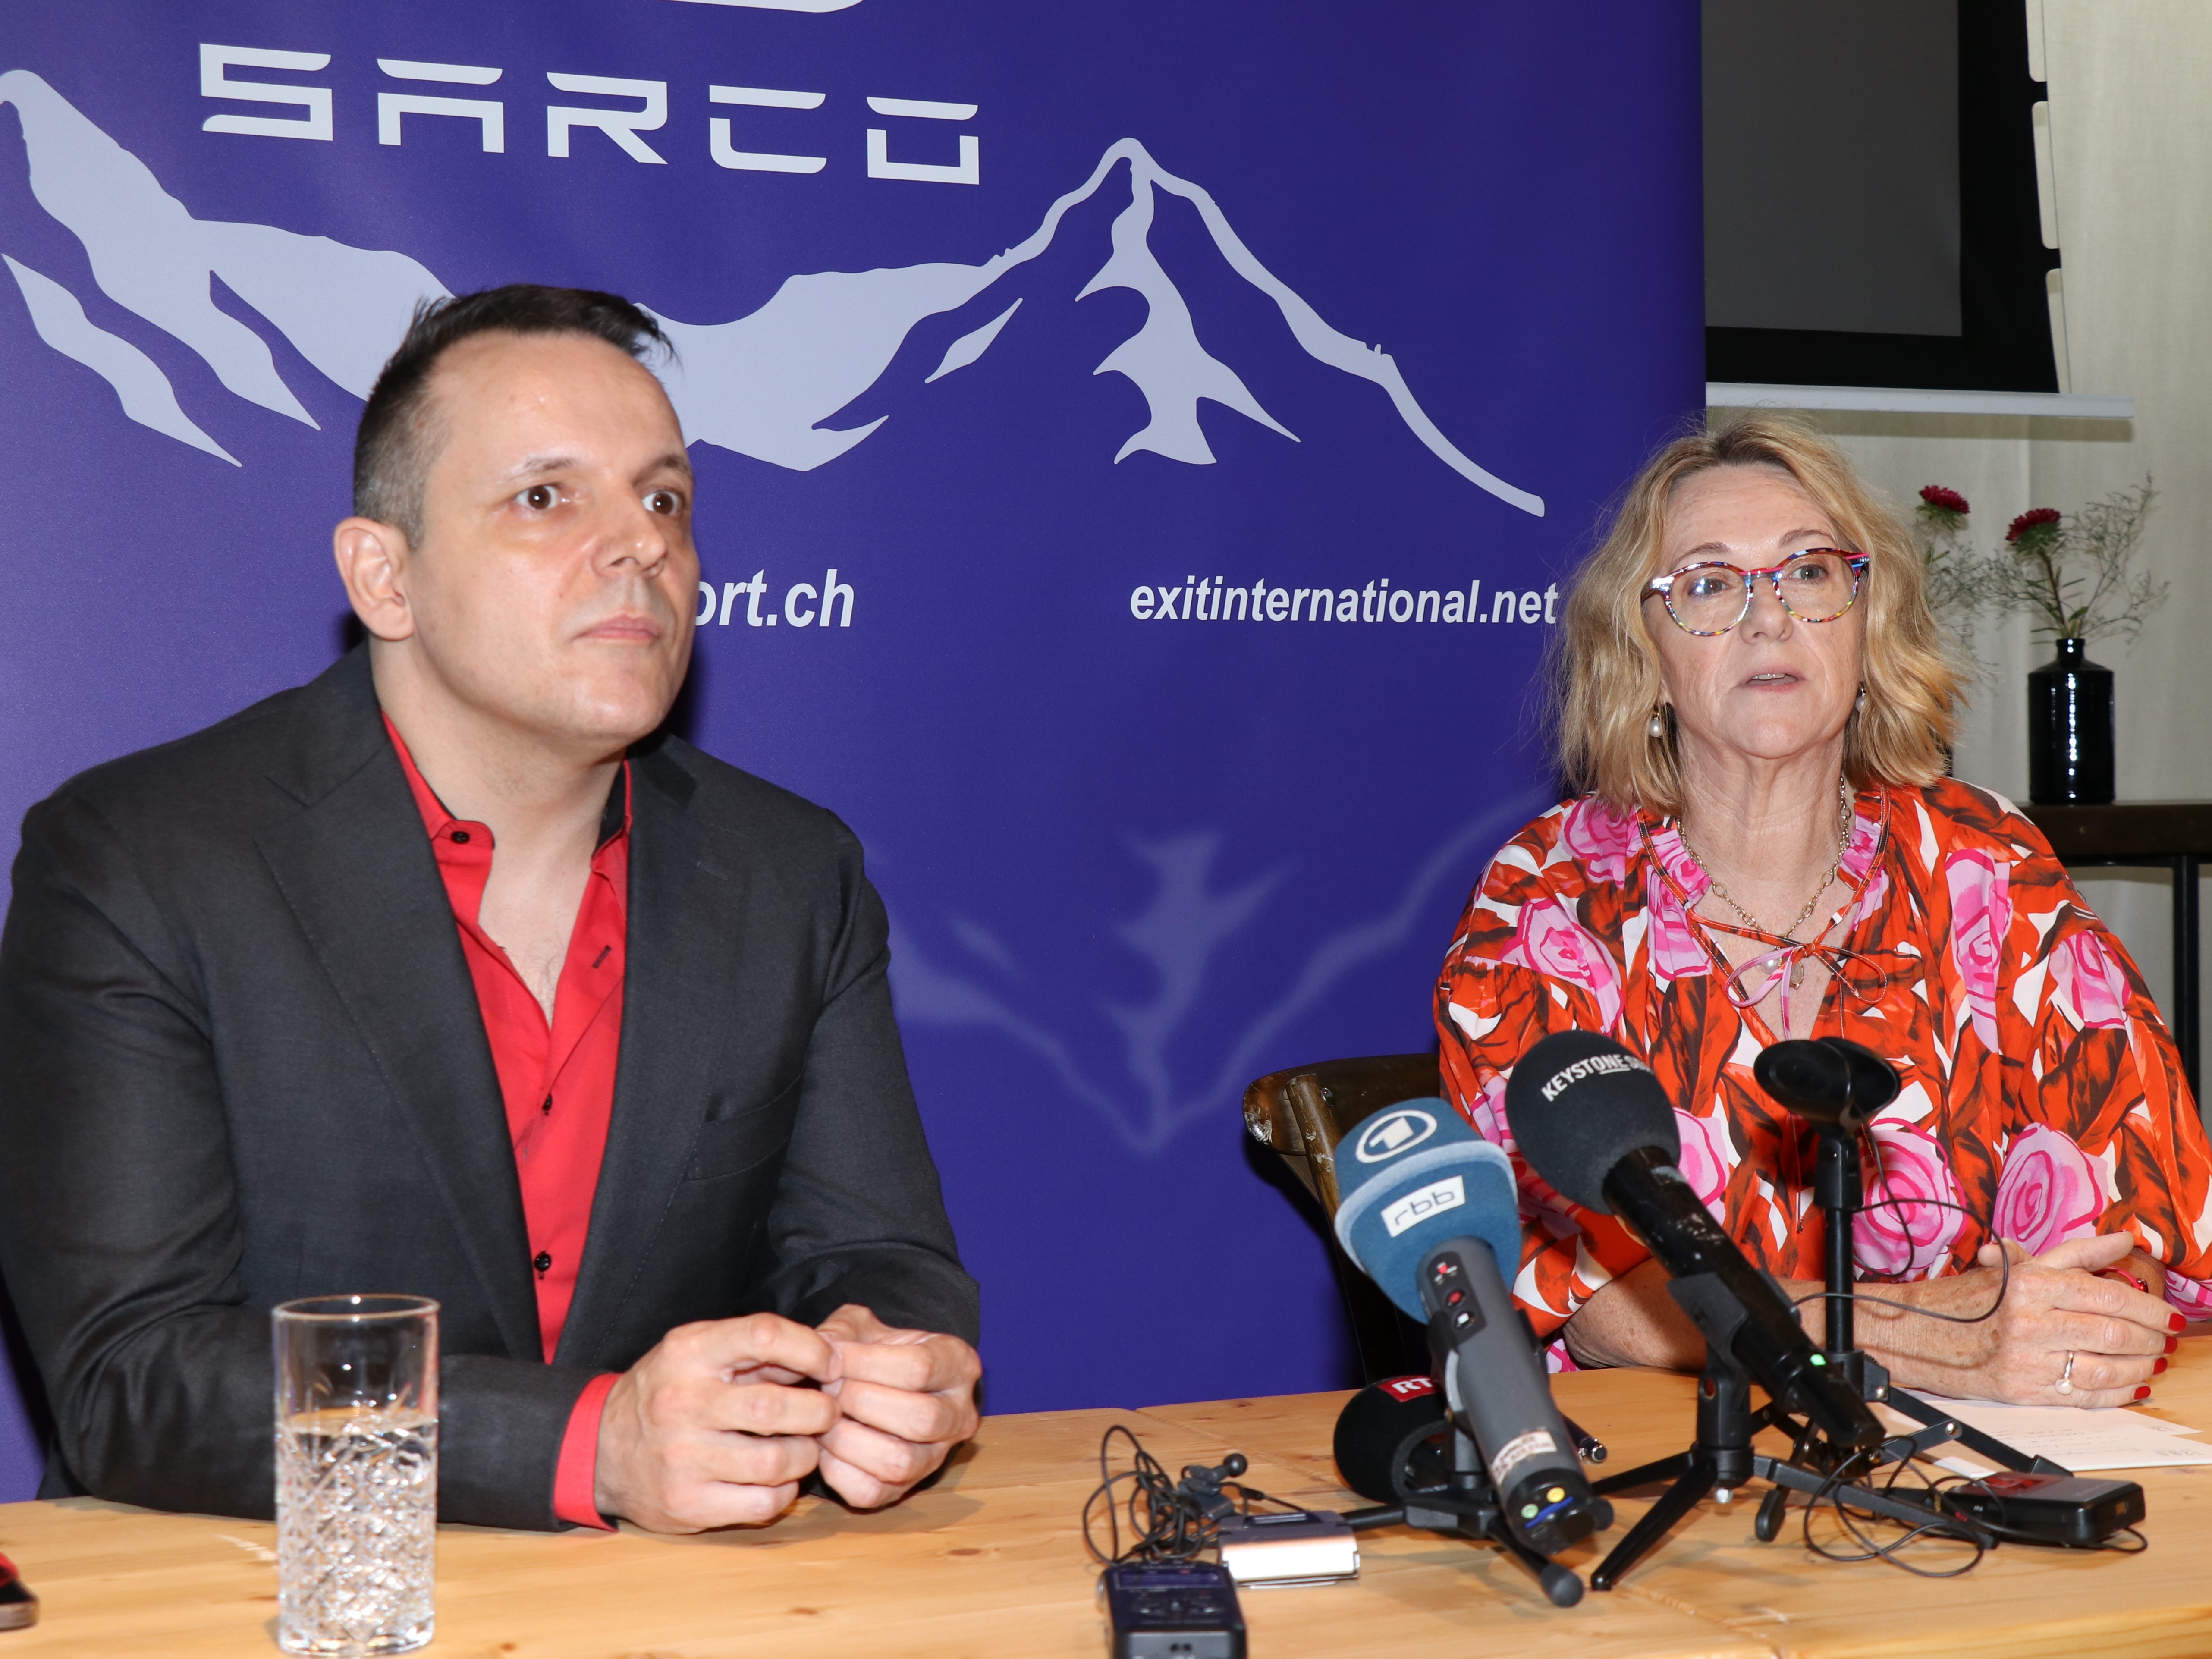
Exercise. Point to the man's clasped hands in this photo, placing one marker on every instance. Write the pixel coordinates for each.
(717, 1426)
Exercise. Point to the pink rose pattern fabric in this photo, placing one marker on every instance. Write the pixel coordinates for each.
(2085, 976)
(1550, 940)
(1599, 837)
(2193, 1297)
(1684, 874)
(1488, 1113)
(1915, 1211)
(1980, 912)
(2043, 1095)
(2049, 1191)
(1706, 1158)
(1672, 937)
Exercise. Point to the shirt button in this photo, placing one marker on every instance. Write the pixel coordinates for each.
(460, 838)
(547, 1108)
(542, 1261)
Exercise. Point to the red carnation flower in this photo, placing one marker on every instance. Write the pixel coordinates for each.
(2034, 519)
(1950, 501)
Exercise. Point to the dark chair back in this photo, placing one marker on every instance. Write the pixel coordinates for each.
(1302, 1114)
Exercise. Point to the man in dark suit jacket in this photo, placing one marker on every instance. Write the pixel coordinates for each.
(278, 1001)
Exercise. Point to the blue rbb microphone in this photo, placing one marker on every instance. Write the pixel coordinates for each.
(1417, 1174)
(1429, 1213)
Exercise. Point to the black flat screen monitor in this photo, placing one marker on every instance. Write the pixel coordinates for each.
(1871, 206)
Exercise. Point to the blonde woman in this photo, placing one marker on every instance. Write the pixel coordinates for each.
(1752, 694)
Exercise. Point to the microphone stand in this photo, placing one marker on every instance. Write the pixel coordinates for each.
(1466, 1505)
(1721, 1459)
(1840, 1189)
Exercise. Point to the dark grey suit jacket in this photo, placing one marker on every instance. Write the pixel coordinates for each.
(241, 1061)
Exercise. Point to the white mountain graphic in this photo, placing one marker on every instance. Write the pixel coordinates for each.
(761, 385)
(1162, 1064)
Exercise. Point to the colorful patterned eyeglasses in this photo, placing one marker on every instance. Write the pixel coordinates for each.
(1816, 585)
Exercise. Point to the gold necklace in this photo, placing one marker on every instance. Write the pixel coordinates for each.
(1790, 934)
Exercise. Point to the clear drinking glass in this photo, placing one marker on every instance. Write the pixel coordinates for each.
(357, 1473)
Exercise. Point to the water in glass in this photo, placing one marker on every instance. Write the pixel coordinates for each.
(357, 1530)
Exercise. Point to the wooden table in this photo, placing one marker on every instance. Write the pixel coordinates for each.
(991, 1564)
(2170, 834)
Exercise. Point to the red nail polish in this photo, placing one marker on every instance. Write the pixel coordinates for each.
(2173, 1343)
(2177, 1324)
(2158, 1368)
(2144, 1393)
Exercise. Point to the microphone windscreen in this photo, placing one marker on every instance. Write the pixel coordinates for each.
(1413, 1176)
(1578, 1102)
(1874, 1081)
(1828, 1080)
(1387, 1428)
(1810, 1079)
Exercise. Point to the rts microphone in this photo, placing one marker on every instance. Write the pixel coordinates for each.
(1830, 1082)
(1593, 1122)
(1387, 1436)
(1429, 1213)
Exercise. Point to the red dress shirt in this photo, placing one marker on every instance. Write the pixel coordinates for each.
(556, 1080)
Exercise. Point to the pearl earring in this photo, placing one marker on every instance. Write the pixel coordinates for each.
(1658, 726)
(1859, 708)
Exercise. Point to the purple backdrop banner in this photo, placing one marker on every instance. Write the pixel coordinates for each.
(1138, 447)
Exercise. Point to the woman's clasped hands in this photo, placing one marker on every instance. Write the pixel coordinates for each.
(2076, 1326)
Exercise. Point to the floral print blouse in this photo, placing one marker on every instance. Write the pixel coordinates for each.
(2043, 1098)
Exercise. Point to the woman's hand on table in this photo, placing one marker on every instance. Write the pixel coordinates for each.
(2055, 1304)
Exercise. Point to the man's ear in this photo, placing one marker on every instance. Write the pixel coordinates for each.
(373, 561)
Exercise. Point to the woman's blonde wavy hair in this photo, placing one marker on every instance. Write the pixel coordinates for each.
(1605, 670)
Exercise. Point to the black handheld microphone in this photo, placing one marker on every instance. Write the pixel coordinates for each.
(1430, 1214)
(1831, 1081)
(1593, 1122)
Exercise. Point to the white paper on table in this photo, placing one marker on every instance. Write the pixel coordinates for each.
(2077, 1438)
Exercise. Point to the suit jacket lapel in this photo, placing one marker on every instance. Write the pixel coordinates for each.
(358, 870)
(685, 891)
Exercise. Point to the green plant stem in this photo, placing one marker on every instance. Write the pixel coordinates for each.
(2057, 599)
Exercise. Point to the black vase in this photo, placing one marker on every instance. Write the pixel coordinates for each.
(2070, 729)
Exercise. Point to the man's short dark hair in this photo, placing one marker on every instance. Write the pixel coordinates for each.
(395, 444)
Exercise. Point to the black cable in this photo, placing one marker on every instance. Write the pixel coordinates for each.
(1953, 1529)
(1977, 1531)
(2004, 1266)
(1889, 1200)
(1169, 1520)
